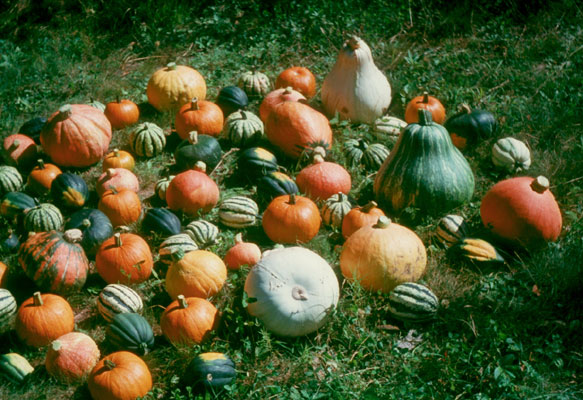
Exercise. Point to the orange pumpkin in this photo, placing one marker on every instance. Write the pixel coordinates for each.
(299, 78)
(291, 219)
(71, 357)
(276, 97)
(173, 86)
(426, 102)
(42, 318)
(124, 258)
(323, 179)
(523, 211)
(358, 217)
(3, 274)
(192, 191)
(197, 273)
(122, 207)
(41, 177)
(122, 113)
(188, 321)
(120, 376)
(77, 135)
(242, 253)
(202, 116)
(19, 150)
(293, 126)
(118, 178)
(118, 159)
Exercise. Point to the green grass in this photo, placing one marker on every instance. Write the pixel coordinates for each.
(494, 336)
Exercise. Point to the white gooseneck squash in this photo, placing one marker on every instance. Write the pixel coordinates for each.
(291, 290)
(356, 88)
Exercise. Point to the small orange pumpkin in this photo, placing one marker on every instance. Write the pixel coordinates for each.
(119, 178)
(41, 177)
(71, 357)
(124, 258)
(189, 320)
(3, 274)
(299, 78)
(122, 207)
(192, 191)
(361, 216)
(323, 178)
(122, 113)
(202, 116)
(118, 159)
(197, 273)
(291, 219)
(19, 150)
(242, 253)
(427, 102)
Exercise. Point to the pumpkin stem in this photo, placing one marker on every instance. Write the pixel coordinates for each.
(116, 153)
(86, 223)
(352, 42)
(56, 345)
(110, 172)
(193, 137)
(465, 109)
(182, 301)
(292, 199)
(171, 66)
(299, 293)
(540, 184)
(177, 255)
(117, 99)
(117, 237)
(73, 235)
(425, 117)
(66, 110)
(40, 163)
(383, 222)
(369, 206)
(288, 90)
(200, 166)
(425, 98)
(238, 238)
(194, 104)
(109, 364)
(37, 299)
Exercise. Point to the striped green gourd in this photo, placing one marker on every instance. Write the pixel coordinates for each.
(42, 218)
(202, 232)
(238, 212)
(243, 129)
(15, 203)
(7, 309)
(411, 301)
(451, 229)
(424, 170)
(162, 186)
(130, 331)
(389, 128)
(335, 208)
(116, 298)
(10, 179)
(15, 367)
(147, 140)
(172, 243)
(374, 156)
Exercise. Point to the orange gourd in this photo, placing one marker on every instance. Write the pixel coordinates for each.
(202, 116)
(71, 357)
(118, 178)
(124, 258)
(41, 177)
(3, 274)
(122, 113)
(197, 273)
(291, 219)
(358, 217)
(323, 179)
(192, 191)
(276, 97)
(299, 78)
(122, 207)
(118, 159)
(242, 253)
(428, 103)
(188, 321)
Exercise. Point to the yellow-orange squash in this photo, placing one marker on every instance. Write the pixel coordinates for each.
(175, 85)
(197, 273)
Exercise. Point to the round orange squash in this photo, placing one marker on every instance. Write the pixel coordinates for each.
(323, 179)
(41, 177)
(118, 159)
(124, 258)
(427, 102)
(19, 150)
(299, 78)
(192, 191)
(242, 253)
(188, 321)
(202, 116)
(291, 219)
(276, 97)
(122, 207)
(360, 216)
(122, 113)
(118, 178)
(197, 273)
(71, 357)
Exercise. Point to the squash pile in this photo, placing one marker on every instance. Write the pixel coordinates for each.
(288, 185)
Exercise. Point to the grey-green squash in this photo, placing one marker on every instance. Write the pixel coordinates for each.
(243, 129)
(147, 140)
(10, 179)
(7, 309)
(42, 218)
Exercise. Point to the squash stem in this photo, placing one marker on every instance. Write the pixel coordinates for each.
(37, 299)
(382, 223)
(238, 238)
(110, 365)
(193, 137)
(292, 199)
(540, 184)
(194, 104)
(369, 206)
(182, 301)
(425, 97)
(40, 163)
(117, 237)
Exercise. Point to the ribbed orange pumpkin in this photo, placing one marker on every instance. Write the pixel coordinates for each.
(277, 97)
(428, 103)
(523, 211)
(323, 179)
(188, 321)
(291, 219)
(242, 253)
(77, 135)
(3, 274)
(293, 126)
(118, 178)
(124, 258)
(41, 177)
(171, 87)
(192, 191)
(19, 150)
(71, 357)
(118, 159)
(55, 261)
(42, 318)
(202, 116)
(358, 217)
(122, 207)
(122, 113)
(120, 376)
(197, 273)
(382, 256)
(299, 78)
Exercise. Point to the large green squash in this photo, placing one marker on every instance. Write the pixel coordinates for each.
(424, 170)
(198, 148)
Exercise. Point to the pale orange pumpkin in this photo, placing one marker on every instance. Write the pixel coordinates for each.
(41, 177)
(299, 78)
(118, 178)
(242, 253)
(291, 219)
(171, 87)
(202, 116)
(426, 102)
(322, 179)
(122, 113)
(197, 273)
(277, 97)
(188, 321)
(124, 258)
(118, 159)
(71, 357)
(122, 207)
(358, 217)
(192, 191)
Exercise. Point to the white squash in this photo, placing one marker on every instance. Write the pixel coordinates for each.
(511, 154)
(292, 291)
(356, 88)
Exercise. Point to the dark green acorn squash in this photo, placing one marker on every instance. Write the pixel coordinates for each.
(275, 184)
(468, 126)
(256, 162)
(197, 147)
(212, 370)
(33, 127)
(70, 190)
(161, 221)
(424, 170)
(231, 99)
(95, 226)
(130, 331)
(14, 203)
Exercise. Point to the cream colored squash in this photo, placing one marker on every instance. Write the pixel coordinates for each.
(511, 154)
(356, 88)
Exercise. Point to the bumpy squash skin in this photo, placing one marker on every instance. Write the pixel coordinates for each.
(424, 170)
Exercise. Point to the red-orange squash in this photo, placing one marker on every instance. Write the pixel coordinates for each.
(523, 211)
(118, 178)
(19, 150)
(192, 191)
(124, 258)
(122, 113)
(242, 253)
(323, 179)
(299, 78)
(122, 207)
(276, 97)
(188, 321)
(77, 135)
(197, 273)
(71, 357)
(3, 274)
(291, 219)
(202, 116)
(428, 103)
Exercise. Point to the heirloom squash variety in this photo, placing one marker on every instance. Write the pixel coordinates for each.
(256, 162)
(242, 253)
(355, 88)
(254, 83)
(125, 258)
(412, 301)
(238, 212)
(202, 116)
(180, 241)
(122, 207)
(130, 331)
(360, 152)
(389, 128)
(122, 113)
(192, 191)
(43, 218)
(424, 170)
(275, 184)
(468, 126)
(162, 222)
(162, 185)
(358, 217)
(197, 148)
(10, 179)
(147, 140)
(41, 177)
(231, 99)
(243, 129)
(477, 250)
(69, 190)
(117, 299)
(335, 208)
(276, 97)
(451, 229)
(291, 219)
(19, 150)
(299, 78)
(95, 228)
(323, 178)
(118, 159)
(523, 211)
(15, 367)
(43, 318)
(203, 233)
(511, 155)
(198, 273)
(292, 291)
(71, 357)
(188, 321)
(55, 261)
(14, 204)
(120, 376)
(424, 102)
(212, 370)
(382, 256)
(8, 309)
(118, 178)
(77, 135)
(293, 127)
(173, 86)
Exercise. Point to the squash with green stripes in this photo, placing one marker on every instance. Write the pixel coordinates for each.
(15, 203)
(412, 301)
(211, 370)
(10, 179)
(256, 162)
(335, 208)
(15, 367)
(451, 229)
(8, 309)
(238, 212)
(180, 241)
(203, 233)
(42, 218)
(243, 129)
(130, 331)
(147, 140)
(116, 298)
